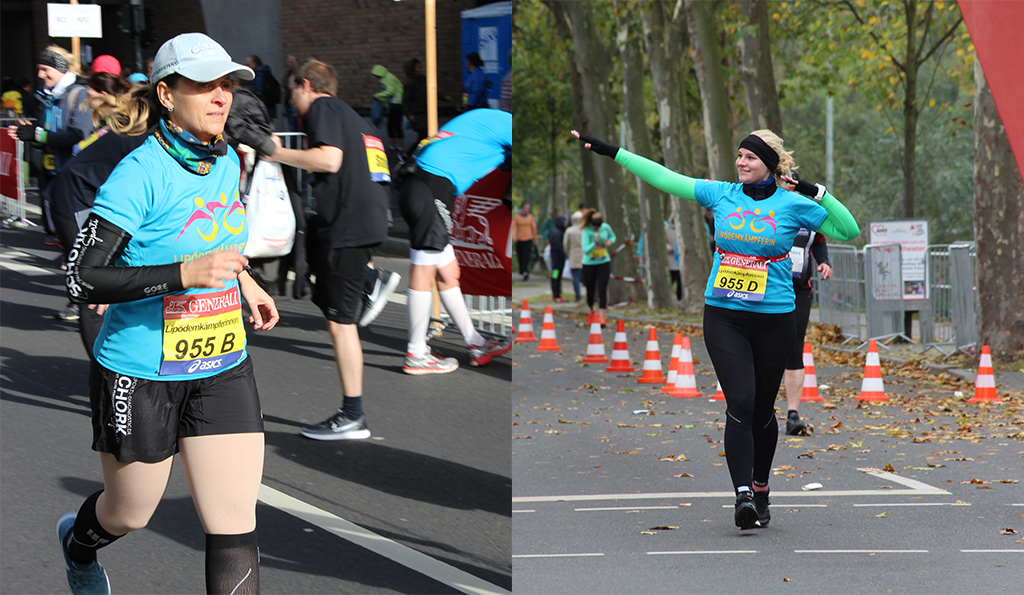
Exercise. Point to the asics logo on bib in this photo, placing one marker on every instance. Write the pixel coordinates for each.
(124, 388)
(201, 366)
(738, 294)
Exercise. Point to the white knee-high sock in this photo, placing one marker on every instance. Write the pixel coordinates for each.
(456, 307)
(418, 307)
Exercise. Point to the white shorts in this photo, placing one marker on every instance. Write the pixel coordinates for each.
(437, 258)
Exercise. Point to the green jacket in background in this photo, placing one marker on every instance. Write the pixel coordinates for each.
(393, 87)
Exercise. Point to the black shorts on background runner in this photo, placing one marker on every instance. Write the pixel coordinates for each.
(136, 419)
(340, 280)
(426, 202)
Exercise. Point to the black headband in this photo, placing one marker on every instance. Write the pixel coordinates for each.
(53, 60)
(756, 145)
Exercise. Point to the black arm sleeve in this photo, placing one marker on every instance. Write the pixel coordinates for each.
(820, 250)
(93, 279)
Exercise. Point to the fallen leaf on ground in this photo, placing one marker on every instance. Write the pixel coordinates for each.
(888, 468)
(683, 475)
(881, 516)
(663, 528)
(1007, 531)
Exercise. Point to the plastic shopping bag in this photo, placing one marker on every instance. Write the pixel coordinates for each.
(268, 211)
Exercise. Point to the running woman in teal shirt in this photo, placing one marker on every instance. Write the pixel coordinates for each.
(749, 301)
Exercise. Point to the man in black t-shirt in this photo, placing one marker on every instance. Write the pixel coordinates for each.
(349, 167)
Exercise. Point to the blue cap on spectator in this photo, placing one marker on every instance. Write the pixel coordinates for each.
(138, 78)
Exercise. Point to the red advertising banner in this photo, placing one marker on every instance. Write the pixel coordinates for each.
(482, 236)
(9, 167)
(998, 44)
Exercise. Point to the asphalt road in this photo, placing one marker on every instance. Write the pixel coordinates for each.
(619, 489)
(421, 507)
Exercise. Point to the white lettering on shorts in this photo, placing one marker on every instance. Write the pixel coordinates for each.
(121, 400)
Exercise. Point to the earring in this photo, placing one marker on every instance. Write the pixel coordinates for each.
(170, 109)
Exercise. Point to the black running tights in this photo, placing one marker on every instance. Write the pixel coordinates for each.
(749, 351)
(595, 279)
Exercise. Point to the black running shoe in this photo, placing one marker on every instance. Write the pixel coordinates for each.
(746, 513)
(761, 502)
(796, 427)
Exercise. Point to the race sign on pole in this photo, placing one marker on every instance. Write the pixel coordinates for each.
(12, 185)
(912, 236)
(482, 236)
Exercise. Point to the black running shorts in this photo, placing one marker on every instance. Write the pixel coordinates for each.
(136, 419)
(340, 280)
(803, 314)
(426, 202)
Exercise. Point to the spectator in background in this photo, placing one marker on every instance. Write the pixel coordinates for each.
(556, 244)
(572, 241)
(526, 238)
(598, 237)
(474, 82)
(414, 100)
(17, 94)
(138, 78)
(391, 96)
(64, 118)
(263, 84)
(545, 233)
(149, 68)
(291, 119)
(505, 103)
(673, 258)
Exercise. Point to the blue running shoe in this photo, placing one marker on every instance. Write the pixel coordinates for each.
(82, 580)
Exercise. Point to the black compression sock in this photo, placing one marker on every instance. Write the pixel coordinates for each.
(352, 407)
(87, 536)
(232, 564)
(793, 414)
(370, 280)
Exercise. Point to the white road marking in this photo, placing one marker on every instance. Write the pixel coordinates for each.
(630, 508)
(777, 505)
(702, 552)
(525, 510)
(1016, 504)
(915, 488)
(860, 551)
(918, 504)
(992, 551)
(408, 557)
(555, 555)
(10, 262)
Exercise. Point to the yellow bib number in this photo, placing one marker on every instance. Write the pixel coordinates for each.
(377, 159)
(203, 332)
(740, 277)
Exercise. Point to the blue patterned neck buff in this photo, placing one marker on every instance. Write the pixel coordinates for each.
(194, 155)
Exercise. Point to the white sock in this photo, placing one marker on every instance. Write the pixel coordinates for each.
(456, 307)
(418, 307)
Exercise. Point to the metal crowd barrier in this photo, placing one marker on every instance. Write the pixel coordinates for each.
(883, 292)
(15, 208)
(939, 335)
(962, 295)
(841, 297)
(492, 316)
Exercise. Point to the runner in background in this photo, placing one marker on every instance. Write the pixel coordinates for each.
(446, 165)
(805, 244)
(749, 325)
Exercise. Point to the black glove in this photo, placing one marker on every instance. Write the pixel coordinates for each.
(600, 147)
(27, 132)
(806, 188)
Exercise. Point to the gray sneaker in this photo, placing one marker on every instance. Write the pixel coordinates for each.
(338, 427)
(479, 356)
(90, 579)
(431, 363)
(375, 301)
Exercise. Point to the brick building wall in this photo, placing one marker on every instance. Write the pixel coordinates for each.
(353, 35)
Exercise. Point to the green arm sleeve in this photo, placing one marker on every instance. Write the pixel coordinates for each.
(839, 224)
(657, 175)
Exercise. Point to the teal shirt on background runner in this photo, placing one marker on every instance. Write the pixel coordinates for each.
(485, 142)
(172, 215)
(594, 250)
(757, 228)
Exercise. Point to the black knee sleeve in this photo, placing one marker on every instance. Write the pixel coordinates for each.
(232, 564)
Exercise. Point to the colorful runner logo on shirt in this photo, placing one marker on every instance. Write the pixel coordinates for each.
(741, 215)
(207, 211)
(202, 332)
(376, 159)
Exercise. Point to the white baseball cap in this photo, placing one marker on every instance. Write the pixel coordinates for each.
(195, 56)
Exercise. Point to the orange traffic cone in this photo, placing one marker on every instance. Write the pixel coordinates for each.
(719, 395)
(595, 349)
(810, 389)
(620, 351)
(673, 365)
(985, 385)
(872, 389)
(686, 381)
(525, 334)
(547, 333)
(651, 373)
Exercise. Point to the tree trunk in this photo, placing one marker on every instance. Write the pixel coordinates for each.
(666, 42)
(707, 58)
(755, 51)
(594, 61)
(998, 229)
(638, 140)
(910, 112)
